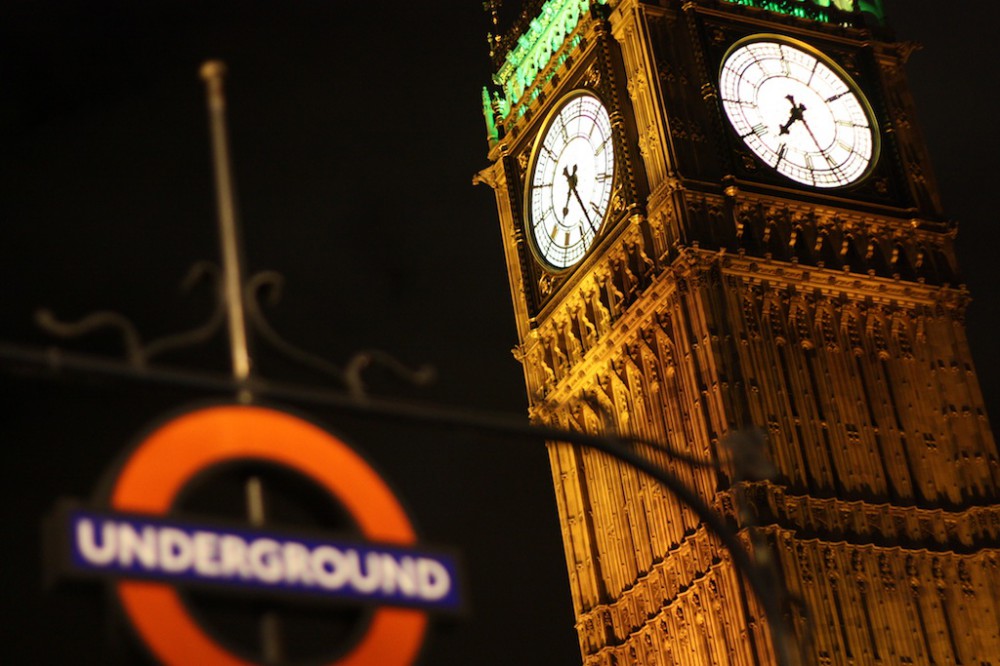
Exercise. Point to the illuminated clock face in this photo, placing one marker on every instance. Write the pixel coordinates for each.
(798, 113)
(572, 173)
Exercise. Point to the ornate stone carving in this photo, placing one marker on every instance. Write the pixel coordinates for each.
(522, 161)
(545, 283)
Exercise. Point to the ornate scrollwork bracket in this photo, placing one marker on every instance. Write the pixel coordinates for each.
(269, 285)
(264, 287)
(136, 353)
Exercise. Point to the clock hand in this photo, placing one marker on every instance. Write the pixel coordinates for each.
(819, 147)
(811, 135)
(583, 208)
(571, 180)
(794, 114)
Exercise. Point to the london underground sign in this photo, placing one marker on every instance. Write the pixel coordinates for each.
(149, 553)
(121, 545)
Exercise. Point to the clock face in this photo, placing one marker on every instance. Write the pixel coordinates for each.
(798, 113)
(572, 173)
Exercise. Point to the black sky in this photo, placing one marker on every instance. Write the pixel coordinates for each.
(356, 129)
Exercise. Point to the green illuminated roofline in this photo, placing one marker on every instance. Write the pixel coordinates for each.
(818, 10)
(545, 35)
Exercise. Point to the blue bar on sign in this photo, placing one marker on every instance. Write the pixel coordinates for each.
(131, 546)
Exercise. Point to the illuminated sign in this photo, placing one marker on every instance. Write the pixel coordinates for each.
(135, 540)
(132, 546)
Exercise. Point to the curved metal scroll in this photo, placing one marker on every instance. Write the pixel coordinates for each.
(269, 285)
(266, 285)
(136, 353)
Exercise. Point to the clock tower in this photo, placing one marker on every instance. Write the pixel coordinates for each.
(720, 215)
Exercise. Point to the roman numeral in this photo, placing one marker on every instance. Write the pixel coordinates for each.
(760, 129)
(782, 149)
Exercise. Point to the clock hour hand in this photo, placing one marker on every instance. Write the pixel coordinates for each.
(794, 114)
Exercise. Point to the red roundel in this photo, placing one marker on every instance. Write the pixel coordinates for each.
(179, 450)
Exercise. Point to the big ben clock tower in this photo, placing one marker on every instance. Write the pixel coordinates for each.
(718, 215)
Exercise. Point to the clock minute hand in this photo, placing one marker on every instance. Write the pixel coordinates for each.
(819, 147)
(583, 207)
(811, 135)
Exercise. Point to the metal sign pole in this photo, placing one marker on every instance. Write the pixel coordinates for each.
(212, 72)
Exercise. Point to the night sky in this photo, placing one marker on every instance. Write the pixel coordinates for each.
(356, 129)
